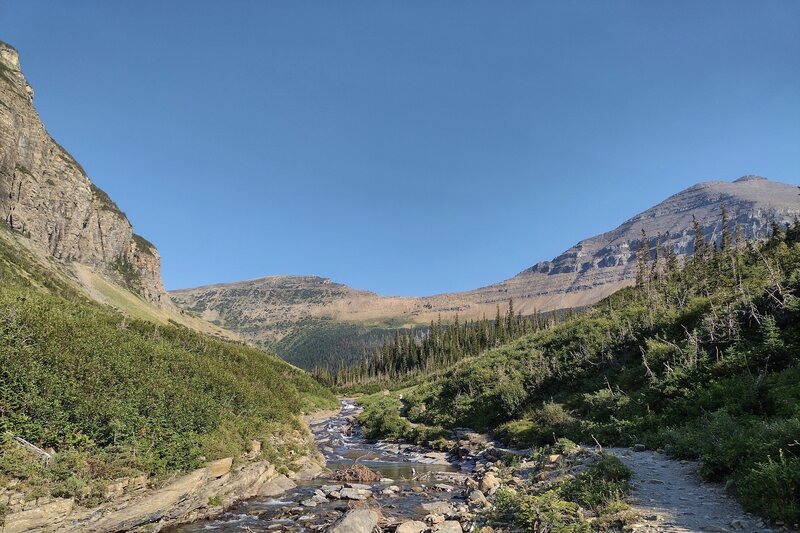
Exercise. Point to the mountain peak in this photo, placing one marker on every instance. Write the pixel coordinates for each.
(750, 177)
(9, 55)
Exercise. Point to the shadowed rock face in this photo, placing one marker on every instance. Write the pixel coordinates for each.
(268, 309)
(46, 196)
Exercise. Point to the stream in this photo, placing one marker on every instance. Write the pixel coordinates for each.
(412, 476)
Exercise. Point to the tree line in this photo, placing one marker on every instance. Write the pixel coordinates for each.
(424, 349)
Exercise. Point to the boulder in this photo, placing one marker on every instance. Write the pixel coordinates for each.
(476, 497)
(448, 526)
(489, 484)
(438, 507)
(275, 486)
(412, 526)
(356, 521)
(349, 493)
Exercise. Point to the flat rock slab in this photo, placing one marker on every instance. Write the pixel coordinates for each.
(448, 526)
(442, 508)
(277, 485)
(356, 521)
(412, 526)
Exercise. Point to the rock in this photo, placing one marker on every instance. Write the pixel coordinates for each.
(412, 526)
(327, 489)
(443, 487)
(448, 526)
(489, 484)
(40, 517)
(393, 488)
(255, 447)
(311, 502)
(350, 493)
(356, 521)
(219, 467)
(46, 195)
(277, 485)
(476, 497)
(435, 518)
(639, 447)
(738, 524)
(358, 486)
(438, 507)
(553, 458)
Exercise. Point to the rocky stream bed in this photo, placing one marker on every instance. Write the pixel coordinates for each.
(418, 489)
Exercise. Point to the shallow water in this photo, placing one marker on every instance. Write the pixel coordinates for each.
(342, 443)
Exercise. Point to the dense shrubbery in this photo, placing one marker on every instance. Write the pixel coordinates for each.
(115, 396)
(381, 418)
(701, 360)
(600, 489)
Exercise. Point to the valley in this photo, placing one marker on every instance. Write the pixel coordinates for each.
(646, 379)
(312, 321)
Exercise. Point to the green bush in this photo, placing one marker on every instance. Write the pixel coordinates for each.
(772, 488)
(381, 418)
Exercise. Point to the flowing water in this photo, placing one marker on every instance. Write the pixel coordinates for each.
(413, 470)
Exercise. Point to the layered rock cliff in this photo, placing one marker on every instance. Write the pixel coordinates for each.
(46, 196)
(297, 315)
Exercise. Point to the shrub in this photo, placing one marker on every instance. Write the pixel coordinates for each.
(772, 488)
(381, 419)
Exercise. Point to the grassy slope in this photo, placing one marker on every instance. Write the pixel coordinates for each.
(115, 395)
(704, 364)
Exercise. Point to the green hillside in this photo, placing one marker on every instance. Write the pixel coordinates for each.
(118, 396)
(702, 361)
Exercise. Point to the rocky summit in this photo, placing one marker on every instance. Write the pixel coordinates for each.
(310, 319)
(46, 197)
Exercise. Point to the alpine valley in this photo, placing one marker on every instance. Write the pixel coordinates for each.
(645, 380)
(312, 321)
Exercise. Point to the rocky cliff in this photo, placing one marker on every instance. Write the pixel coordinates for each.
(294, 314)
(46, 196)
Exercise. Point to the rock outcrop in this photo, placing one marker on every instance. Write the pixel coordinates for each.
(46, 196)
(268, 310)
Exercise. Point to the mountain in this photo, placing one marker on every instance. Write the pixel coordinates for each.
(50, 206)
(46, 195)
(136, 409)
(309, 319)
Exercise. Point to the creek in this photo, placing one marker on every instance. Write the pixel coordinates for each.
(412, 476)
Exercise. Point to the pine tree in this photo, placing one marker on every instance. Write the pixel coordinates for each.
(642, 257)
(699, 241)
(726, 236)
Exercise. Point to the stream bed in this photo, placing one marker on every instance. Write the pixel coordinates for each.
(415, 481)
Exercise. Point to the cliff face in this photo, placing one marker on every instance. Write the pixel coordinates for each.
(286, 311)
(46, 195)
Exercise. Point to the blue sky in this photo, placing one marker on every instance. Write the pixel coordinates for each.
(405, 147)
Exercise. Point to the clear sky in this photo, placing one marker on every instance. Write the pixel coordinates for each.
(406, 147)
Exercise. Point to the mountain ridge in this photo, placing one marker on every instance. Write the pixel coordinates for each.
(268, 309)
